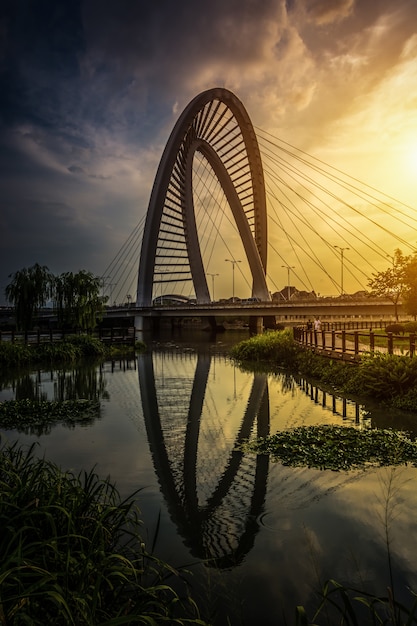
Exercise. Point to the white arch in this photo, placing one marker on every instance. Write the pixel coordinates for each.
(216, 124)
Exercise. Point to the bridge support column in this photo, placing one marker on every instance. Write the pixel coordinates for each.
(256, 324)
(142, 325)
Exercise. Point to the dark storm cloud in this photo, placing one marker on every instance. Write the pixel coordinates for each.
(90, 90)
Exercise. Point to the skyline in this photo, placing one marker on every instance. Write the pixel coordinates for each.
(90, 93)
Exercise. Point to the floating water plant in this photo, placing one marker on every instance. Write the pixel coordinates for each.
(36, 414)
(336, 447)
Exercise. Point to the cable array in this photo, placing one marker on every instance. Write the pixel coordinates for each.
(314, 211)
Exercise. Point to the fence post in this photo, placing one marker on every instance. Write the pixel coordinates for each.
(343, 341)
(356, 341)
(323, 339)
(412, 344)
(333, 340)
(390, 343)
(371, 341)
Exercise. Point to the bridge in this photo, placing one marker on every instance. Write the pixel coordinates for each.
(214, 198)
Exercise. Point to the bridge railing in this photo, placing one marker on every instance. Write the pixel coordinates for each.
(351, 345)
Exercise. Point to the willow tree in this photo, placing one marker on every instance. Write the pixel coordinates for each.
(77, 300)
(29, 290)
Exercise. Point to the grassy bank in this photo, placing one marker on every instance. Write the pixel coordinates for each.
(70, 350)
(391, 379)
(71, 552)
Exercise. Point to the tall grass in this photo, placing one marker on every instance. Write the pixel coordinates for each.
(71, 552)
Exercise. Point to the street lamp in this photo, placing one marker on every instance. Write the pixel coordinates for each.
(212, 284)
(233, 262)
(342, 250)
(389, 256)
(288, 268)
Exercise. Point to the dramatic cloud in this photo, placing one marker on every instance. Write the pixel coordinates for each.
(89, 92)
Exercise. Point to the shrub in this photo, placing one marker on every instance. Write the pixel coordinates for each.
(277, 347)
(88, 345)
(14, 354)
(396, 329)
(410, 327)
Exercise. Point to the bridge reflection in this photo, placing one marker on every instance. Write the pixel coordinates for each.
(215, 494)
(180, 426)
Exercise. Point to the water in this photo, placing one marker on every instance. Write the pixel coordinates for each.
(269, 535)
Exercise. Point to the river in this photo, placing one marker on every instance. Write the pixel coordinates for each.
(257, 537)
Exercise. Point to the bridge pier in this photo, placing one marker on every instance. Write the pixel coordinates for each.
(142, 326)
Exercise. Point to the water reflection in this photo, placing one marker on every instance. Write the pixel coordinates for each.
(206, 518)
(216, 494)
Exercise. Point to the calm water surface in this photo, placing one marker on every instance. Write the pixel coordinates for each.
(169, 424)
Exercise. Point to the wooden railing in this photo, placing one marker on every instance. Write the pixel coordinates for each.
(350, 345)
(121, 335)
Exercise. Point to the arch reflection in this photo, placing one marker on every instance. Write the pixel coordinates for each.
(214, 493)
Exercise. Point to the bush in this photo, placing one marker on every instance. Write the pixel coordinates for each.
(88, 345)
(14, 354)
(410, 327)
(396, 329)
(276, 347)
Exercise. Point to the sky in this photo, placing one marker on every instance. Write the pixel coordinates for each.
(91, 89)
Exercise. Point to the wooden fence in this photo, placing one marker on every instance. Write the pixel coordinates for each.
(350, 345)
(123, 335)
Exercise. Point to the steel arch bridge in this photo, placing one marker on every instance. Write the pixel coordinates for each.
(215, 125)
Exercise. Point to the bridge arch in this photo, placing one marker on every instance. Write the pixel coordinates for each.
(216, 125)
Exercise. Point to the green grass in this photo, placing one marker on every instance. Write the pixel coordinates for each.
(71, 552)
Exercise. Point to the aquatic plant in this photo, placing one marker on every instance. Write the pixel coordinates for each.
(336, 447)
(37, 415)
(71, 552)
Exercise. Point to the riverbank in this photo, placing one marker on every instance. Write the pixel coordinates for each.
(391, 379)
(72, 348)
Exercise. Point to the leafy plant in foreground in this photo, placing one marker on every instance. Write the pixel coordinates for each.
(71, 552)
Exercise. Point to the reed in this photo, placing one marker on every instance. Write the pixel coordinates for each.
(71, 552)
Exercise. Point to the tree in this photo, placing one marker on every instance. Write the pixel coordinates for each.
(390, 283)
(410, 291)
(28, 292)
(77, 300)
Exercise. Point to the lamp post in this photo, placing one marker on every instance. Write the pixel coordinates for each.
(342, 250)
(233, 262)
(212, 284)
(389, 256)
(288, 268)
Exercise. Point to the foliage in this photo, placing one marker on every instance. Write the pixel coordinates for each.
(36, 415)
(67, 351)
(410, 327)
(396, 329)
(384, 375)
(14, 354)
(29, 290)
(71, 552)
(277, 347)
(336, 447)
(77, 300)
(351, 606)
(88, 345)
(410, 291)
(390, 283)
